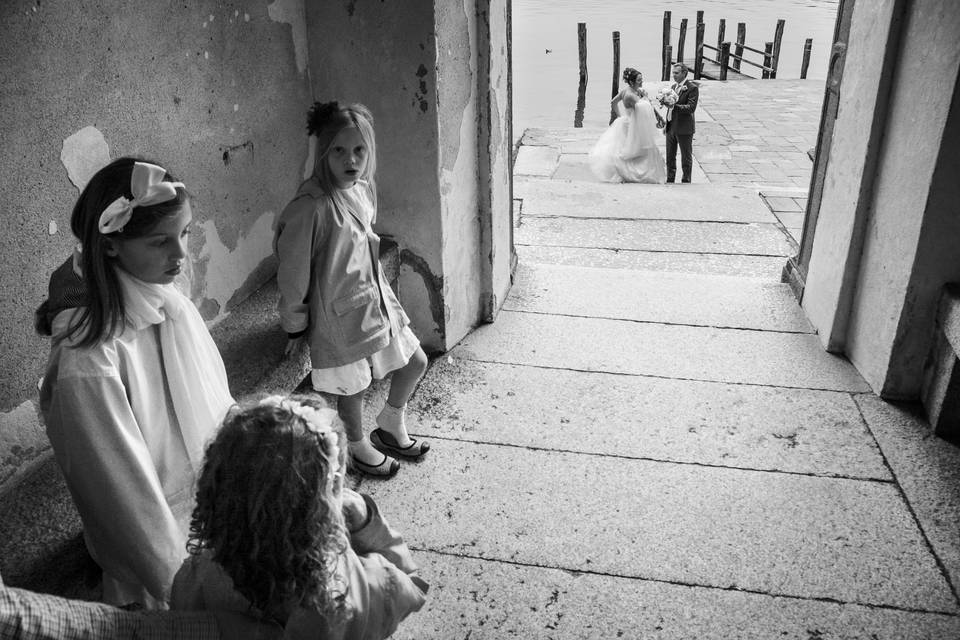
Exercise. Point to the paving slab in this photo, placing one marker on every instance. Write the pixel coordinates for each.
(791, 219)
(780, 534)
(674, 351)
(483, 599)
(654, 235)
(710, 423)
(767, 268)
(536, 161)
(700, 202)
(657, 296)
(573, 167)
(560, 136)
(926, 467)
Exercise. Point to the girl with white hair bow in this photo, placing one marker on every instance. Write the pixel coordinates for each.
(135, 385)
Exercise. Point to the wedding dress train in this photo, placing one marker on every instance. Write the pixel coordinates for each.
(629, 151)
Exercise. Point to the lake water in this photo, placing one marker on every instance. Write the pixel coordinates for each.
(546, 68)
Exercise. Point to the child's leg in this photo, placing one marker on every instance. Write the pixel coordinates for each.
(350, 409)
(404, 380)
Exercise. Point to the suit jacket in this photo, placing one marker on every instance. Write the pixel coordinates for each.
(682, 121)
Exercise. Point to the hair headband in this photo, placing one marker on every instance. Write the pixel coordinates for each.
(147, 186)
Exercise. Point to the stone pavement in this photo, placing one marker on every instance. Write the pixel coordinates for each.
(649, 441)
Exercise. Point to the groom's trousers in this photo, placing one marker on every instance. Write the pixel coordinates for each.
(685, 142)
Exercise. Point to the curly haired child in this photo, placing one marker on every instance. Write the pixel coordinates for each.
(275, 533)
(333, 293)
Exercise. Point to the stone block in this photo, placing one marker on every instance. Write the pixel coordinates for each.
(940, 391)
(23, 443)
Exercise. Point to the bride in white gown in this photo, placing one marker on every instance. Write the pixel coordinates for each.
(629, 151)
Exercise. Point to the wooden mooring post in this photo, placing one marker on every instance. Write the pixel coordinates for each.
(807, 46)
(777, 38)
(616, 73)
(721, 32)
(582, 88)
(724, 59)
(698, 52)
(667, 50)
(582, 49)
(738, 49)
(681, 39)
(767, 60)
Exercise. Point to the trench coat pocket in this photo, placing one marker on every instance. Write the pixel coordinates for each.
(355, 300)
(358, 316)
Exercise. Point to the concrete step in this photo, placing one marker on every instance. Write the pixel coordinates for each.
(654, 235)
(656, 296)
(684, 421)
(699, 202)
(767, 268)
(490, 599)
(781, 534)
(670, 351)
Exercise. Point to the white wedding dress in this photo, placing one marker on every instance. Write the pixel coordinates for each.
(628, 151)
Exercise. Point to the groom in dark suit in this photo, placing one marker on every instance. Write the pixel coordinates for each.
(681, 124)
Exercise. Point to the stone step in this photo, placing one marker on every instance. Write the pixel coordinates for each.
(685, 421)
(701, 202)
(491, 599)
(652, 296)
(767, 268)
(782, 534)
(668, 351)
(654, 235)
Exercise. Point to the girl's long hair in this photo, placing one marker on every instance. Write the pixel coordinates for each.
(103, 312)
(267, 511)
(325, 120)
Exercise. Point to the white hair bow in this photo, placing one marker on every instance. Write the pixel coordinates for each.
(147, 187)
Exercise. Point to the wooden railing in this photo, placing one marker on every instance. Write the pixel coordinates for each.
(726, 57)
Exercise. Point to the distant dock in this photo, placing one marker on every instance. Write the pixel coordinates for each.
(726, 60)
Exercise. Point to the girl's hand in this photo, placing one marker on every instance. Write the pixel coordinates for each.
(354, 509)
(294, 346)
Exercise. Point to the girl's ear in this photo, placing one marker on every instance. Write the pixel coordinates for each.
(110, 247)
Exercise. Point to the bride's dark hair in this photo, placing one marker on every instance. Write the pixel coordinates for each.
(631, 75)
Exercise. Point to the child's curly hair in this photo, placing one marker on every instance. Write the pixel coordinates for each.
(267, 509)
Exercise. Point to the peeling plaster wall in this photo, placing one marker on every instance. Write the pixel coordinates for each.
(384, 55)
(459, 121)
(496, 167)
(215, 92)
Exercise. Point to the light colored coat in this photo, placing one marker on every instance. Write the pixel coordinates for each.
(329, 275)
(115, 433)
(377, 572)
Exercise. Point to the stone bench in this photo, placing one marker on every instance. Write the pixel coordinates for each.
(41, 543)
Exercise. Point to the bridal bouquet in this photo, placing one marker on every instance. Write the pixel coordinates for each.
(667, 97)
